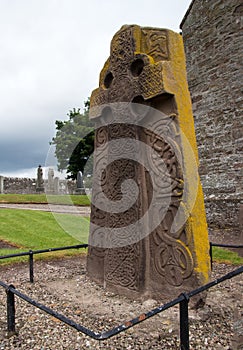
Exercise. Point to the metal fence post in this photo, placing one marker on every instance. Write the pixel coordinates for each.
(31, 263)
(184, 323)
(10, 311)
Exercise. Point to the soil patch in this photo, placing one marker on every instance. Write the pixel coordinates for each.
(7, 245)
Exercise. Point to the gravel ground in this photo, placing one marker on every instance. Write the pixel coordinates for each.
(63, 286)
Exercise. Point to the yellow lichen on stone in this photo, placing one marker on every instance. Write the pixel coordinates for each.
(186, 125)
(175, 82)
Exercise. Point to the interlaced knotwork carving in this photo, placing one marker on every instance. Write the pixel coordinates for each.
(156, 44)
(122, 267)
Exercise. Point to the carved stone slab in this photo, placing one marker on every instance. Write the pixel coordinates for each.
(148, 240)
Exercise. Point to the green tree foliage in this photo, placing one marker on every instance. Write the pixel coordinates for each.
(74, 142)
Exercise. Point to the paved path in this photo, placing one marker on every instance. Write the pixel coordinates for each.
(56, 208)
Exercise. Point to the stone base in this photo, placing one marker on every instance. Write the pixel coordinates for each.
(80, 191)
(40, 189)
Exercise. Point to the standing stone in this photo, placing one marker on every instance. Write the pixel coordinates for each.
(1, 184)
(150, 240)
(39, 180)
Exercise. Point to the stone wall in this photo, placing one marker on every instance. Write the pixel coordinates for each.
(19, 185)
(28, 186)
(213, 45)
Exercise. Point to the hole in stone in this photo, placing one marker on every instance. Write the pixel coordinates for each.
(137, 67)
(108, 80)
(106, 114)
(138, 106)
(139, 99)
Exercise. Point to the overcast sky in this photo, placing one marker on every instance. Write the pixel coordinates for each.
(51, 54)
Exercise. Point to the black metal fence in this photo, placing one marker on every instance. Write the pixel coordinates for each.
(31, 254)
(182, 300)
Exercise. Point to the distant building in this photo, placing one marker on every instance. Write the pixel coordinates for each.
(212, 32)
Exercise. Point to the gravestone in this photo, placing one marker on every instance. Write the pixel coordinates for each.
(80, 185)
(1, 184)
(148, 240)
(50, 181)
(39, 180)
(56, 185)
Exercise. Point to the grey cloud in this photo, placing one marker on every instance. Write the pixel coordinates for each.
(51, 53)
(21, 155)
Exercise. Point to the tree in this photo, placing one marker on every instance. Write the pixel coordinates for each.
(74, 142)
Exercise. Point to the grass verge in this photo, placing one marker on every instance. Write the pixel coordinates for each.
(226, 256)
(35, 230)
(81, 200)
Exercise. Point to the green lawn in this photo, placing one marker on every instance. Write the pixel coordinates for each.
(226, 256)
(43, 199)
(34, 230)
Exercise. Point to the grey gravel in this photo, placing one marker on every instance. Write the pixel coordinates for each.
(63, 285)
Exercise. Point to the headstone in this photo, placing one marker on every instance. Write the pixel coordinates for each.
(148, 240)
(63, 186)
(56, 185)
(1, 184)
(80, 180)
(39, 180)
(80, 185)
(50, 183)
